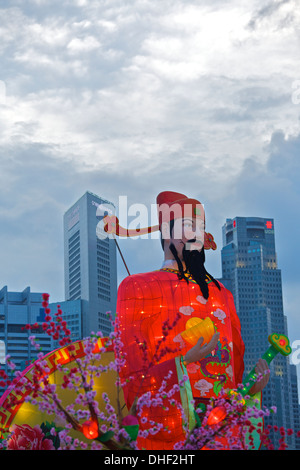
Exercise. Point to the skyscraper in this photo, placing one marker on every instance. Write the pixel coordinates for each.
(18, 309)
(250, 271)
(90, 263)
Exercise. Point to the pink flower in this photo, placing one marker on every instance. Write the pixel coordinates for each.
(27, 438)
(130, 420)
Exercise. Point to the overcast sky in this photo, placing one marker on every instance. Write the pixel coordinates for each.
(135, 97)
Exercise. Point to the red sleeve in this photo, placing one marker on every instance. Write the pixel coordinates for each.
(238, 343)
(138, 308)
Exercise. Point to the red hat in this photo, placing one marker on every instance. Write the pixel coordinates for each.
(172, 205)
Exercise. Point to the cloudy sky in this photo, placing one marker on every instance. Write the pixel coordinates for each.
(134, 97)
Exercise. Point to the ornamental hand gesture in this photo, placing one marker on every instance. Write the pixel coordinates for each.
(198, 352)
(262, 371)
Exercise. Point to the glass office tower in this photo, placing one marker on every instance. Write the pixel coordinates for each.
(18, 309)
(90, 263)
(250, 272)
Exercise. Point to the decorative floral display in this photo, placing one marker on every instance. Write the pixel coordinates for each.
(107, 426)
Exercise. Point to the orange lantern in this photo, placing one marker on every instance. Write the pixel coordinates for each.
(216, 415)
(90, 429)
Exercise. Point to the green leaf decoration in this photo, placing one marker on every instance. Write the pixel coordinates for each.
(106, 436)
(132, 431)
(198, 421)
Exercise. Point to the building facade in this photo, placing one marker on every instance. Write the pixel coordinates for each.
(251, 273)
(17, 309)
(90, 263)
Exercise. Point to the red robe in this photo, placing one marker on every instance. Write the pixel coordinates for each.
(145, 303)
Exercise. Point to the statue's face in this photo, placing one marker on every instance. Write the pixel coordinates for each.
(189, 233)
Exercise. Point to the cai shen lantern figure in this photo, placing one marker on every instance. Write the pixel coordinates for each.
(194, 314)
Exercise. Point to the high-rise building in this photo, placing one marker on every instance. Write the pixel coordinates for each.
(90, 263)
(17, 309)
(251, 273)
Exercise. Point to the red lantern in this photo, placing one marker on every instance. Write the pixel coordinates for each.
(90, 429)
(216, 415)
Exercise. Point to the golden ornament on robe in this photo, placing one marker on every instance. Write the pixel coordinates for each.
(197, 328)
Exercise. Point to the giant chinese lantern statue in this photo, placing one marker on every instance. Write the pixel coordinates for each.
(190, 315)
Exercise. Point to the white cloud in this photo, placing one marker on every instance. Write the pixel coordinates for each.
(187, 79)
(87, 44)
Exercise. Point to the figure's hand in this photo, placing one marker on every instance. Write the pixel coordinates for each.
(260, 370)
(198, 352)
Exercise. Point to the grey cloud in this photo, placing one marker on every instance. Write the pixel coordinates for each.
(284, 160)
(267, 11)
(272, 190)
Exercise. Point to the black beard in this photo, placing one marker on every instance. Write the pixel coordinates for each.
(194, 260)
(194, 265)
